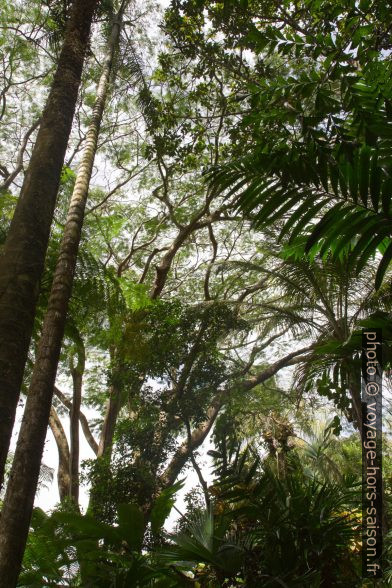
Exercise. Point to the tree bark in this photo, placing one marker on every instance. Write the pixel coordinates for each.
(77, 380)
(63, 477)
(22, 260)
(19, 499)
(109, 423)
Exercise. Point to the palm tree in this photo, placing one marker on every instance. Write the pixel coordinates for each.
(329, 193)
(269, 530)
(22, 259)
(327, 301)
(21, 489)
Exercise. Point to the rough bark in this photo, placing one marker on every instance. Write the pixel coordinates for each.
(22, 259)
(19, 499)
(63, 477)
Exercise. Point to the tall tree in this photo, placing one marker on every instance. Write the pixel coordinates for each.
(19, 499)
(22, 259)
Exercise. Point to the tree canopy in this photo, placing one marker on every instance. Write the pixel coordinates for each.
(195, 227)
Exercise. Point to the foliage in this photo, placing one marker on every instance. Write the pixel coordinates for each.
(327, 182)
(276, 531)
(187, 290)
(95, 552)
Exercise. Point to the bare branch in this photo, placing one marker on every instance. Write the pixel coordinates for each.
(19, 159)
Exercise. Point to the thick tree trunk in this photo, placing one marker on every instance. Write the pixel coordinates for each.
(22, 260)
(19, 499)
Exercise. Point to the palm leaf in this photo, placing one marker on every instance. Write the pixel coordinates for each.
(328, 191)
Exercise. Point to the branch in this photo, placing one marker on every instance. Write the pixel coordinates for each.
(198, 435)
(148, 262)
(19, 158)
(207, 294)
(290, 359)
(83, 420)
(202, 481)
(63, 477)
(163, 268)
(121, 184)
(183, 452)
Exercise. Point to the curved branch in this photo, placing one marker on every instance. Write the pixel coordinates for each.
(196, 439)
(83, 420)
(19, 159)
(198, 435)
(63, 476)
(290, 359)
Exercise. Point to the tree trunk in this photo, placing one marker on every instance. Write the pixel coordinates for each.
(63, 478)
(354, 387)
(109, 423)
(19, 499)
(22, 260)
(77, 380)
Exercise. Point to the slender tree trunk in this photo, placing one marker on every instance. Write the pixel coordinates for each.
(109, 423)
(19, 499)
(105, 445)
(354, 387)
(22, 260)
(63, 477)
(83, 420)
(77, 380)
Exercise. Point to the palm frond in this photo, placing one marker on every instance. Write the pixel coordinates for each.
(335, 193)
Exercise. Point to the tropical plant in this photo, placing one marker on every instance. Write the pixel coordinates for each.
(271, 530)
(85, 550)
(181, 319)
(328, 197)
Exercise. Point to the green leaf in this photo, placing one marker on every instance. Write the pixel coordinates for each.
(386, 196)
(162, 506)
(383, 266)
(131, 525)
(367, 245)
(329, 219)
(352, 173)
(351, 228)
(364, 167)
(311, 214)
(375, 182)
